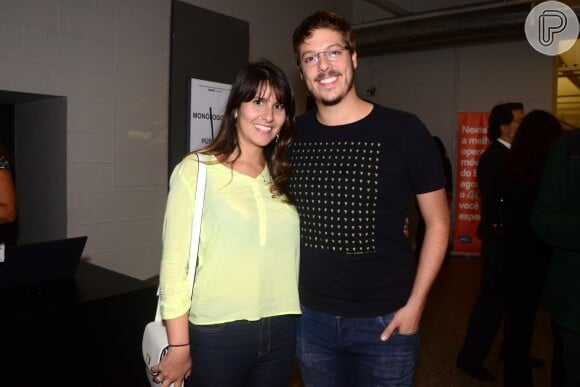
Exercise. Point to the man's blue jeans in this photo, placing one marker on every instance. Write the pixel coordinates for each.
(243, 353)
(335, 351)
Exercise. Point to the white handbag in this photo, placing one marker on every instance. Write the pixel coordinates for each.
(155, 343)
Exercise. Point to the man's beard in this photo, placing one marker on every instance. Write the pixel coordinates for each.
(336, 100)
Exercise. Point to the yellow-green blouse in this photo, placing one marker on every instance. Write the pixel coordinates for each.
(248, 256)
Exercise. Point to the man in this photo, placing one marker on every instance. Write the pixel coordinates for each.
(504, 120)
(356, 169)
(556, 219)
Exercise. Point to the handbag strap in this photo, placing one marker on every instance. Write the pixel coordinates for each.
(195, 228)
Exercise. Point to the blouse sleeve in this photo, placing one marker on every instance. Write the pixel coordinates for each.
(173, 283)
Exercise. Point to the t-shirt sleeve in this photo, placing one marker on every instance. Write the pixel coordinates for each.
(424, 160)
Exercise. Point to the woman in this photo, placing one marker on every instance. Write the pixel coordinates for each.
(239, 327)
(7, 202)
(556, 220)
(526, 256)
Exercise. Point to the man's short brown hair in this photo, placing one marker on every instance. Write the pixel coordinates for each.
(322, 19)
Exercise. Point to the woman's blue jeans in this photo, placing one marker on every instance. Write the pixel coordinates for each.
(243, 353)
(335, 351)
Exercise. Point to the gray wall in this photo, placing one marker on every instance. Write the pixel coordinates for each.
(110, 59)
(436, 85)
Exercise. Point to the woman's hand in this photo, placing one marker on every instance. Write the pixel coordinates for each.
(175, 367)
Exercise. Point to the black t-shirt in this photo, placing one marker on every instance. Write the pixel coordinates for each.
(353, 185)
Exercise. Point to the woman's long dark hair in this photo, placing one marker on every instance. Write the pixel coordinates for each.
(531, 144)
(250, 81)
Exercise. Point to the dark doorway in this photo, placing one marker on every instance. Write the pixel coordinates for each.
(204, 45)
(33, 132)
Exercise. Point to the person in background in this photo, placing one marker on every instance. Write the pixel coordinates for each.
(526, 256)
(489, 307)
(7, 201)
(356, 168)
(556, 220)
(239, 328)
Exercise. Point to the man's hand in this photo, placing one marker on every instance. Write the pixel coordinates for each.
(406, 320)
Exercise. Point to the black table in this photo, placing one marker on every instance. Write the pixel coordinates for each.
(85, 331)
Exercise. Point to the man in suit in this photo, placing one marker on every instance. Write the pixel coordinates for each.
(504, 120)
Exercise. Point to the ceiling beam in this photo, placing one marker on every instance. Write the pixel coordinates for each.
(390, 7)
(467, 25)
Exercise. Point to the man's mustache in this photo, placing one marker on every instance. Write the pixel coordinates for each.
(326, 74)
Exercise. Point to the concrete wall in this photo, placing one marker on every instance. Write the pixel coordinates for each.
(110, 60)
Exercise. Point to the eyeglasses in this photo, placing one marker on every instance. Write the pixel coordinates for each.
(334, 53)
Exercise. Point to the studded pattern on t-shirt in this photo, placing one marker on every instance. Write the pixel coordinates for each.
(336, 185)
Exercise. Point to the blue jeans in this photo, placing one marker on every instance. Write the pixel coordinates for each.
(335, 351)
(243, 353)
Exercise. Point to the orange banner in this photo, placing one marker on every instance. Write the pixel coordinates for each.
(471, 143)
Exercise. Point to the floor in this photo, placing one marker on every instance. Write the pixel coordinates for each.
(443, 327)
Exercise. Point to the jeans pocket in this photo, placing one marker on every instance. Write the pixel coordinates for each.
(386, 319)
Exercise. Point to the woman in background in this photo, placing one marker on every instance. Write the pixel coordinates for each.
(556, 219)
(526, 255)
(7, 201)
(239, 327)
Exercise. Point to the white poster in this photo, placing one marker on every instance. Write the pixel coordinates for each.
(208, 101)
